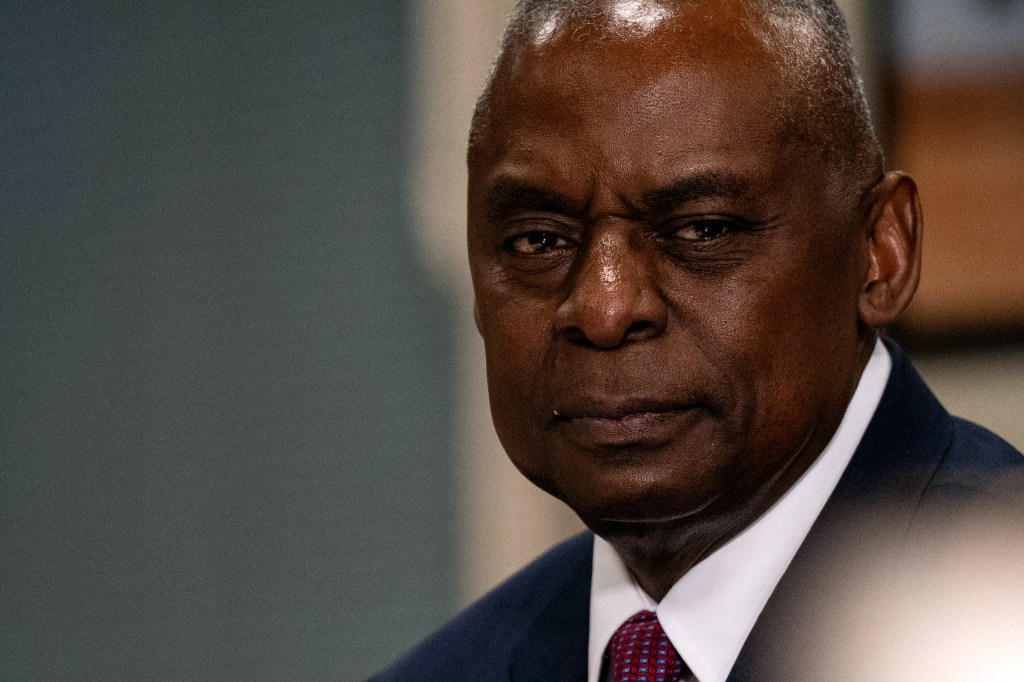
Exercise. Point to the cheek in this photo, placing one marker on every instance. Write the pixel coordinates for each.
(782, 336)
(515, 343)
(517, 336)
(516, 332)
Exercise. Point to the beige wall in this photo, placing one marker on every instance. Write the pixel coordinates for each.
(986, 387)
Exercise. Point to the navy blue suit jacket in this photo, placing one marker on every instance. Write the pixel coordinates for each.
(914, 459)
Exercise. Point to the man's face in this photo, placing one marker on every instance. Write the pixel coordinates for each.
(665, 285)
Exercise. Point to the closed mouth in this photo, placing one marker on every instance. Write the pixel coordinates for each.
(616, 410)
(621, 424)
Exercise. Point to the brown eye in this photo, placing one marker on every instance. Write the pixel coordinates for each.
(703, 230)
(533, 243)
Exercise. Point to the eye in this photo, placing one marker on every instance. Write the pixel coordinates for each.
(703, 230)
(535, 242)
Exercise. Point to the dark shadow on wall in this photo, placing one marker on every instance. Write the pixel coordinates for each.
(227, 400)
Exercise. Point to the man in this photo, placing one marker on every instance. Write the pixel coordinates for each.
(683, 245)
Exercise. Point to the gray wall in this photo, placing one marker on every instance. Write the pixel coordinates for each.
(226, 405)
(942, 36)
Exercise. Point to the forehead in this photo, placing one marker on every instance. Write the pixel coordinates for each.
(692, 89)
(652, 30)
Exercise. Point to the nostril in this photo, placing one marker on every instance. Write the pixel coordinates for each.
(641, 329)
(637, 331)
(577, 336)
(604, 339)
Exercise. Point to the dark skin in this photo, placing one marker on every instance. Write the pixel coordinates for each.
(676, 301)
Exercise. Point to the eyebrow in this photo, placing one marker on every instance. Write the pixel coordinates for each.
(508, 196)
(705, 185)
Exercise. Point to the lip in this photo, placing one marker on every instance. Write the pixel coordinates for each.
(621, 424)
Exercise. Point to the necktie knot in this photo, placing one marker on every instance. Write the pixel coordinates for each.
(640, 651)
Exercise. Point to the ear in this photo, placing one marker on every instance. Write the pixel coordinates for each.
(894, 251)
(476, 317)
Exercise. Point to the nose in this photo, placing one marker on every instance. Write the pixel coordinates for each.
(613, 299)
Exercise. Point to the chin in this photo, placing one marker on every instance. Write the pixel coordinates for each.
(630, 485)
(636, 503)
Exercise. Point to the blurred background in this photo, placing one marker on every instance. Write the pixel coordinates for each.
(243, 425)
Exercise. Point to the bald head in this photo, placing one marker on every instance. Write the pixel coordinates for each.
(818, 96)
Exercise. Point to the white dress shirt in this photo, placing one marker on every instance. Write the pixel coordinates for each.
(711, 610)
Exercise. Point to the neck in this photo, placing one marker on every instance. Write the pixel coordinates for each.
(657, 555)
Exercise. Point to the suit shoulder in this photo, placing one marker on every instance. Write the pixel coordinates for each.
(477, 643)
(980, 474)
(978, 459)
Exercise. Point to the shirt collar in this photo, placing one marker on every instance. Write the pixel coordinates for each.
(711, 610)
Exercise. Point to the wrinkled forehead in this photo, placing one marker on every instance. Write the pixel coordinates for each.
(666, 30)
(635, 42)
(651, 88)
(624, 57)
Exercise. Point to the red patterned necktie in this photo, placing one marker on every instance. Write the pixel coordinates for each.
(640, 652)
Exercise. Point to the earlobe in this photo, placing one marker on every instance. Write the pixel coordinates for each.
(894, 251)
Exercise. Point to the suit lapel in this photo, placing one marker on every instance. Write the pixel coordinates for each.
(874, 503)
(554, 645)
